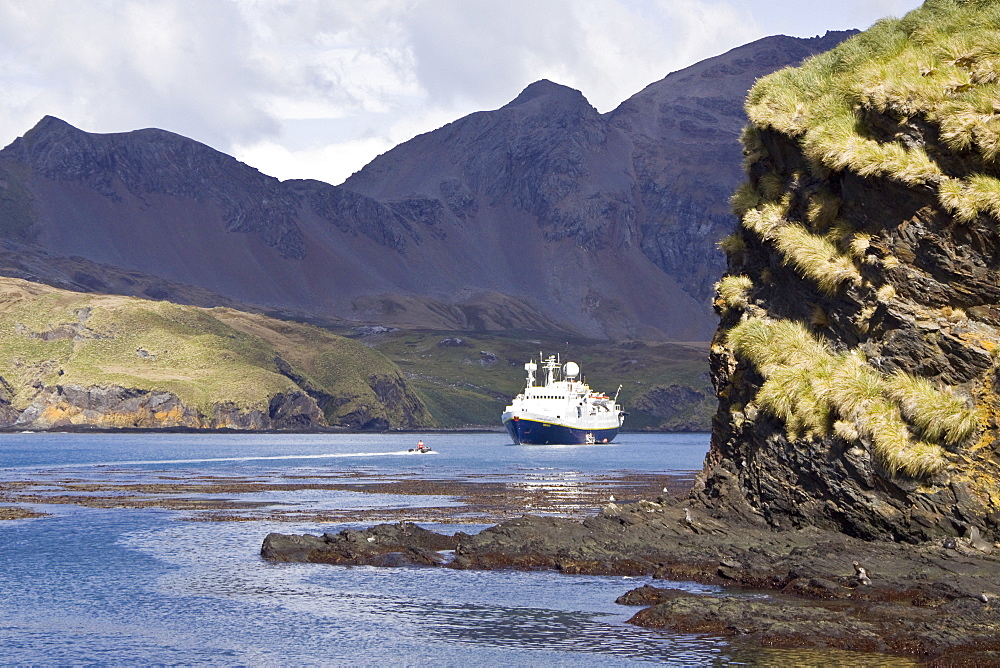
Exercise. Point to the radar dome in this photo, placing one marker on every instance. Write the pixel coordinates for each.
(571, 369)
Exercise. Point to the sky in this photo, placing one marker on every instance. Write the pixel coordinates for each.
(318, 88)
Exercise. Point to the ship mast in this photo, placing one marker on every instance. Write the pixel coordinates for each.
(551, 364)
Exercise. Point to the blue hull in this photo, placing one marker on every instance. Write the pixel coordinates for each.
(530, 432)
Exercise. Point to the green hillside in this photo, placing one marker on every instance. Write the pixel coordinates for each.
(211, 360)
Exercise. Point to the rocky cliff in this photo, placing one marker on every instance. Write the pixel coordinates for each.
(543, 215)
(72, 360)
(855, 362)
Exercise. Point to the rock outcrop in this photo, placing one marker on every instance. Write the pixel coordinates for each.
(855, 362)
(935, 602)
(543, 215)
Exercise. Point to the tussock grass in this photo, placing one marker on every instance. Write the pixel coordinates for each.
(852, 386)
(894, 446)
(744, 199)
(765, 219)
(967, 198)
(815, 258)
(753, 146)
(732, 243)
(859, 244)
(815, 391)
(770, 345)
(939, 415)
(846, 431)
(733, 290)
(823, 209)
(790, 395)
(940, 62)
(772, 186)
(819, 317)
(954, 314)
(886, 293)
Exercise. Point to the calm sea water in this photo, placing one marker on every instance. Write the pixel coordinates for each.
(148, 586)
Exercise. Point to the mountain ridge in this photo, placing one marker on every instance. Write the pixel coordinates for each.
(541, 215)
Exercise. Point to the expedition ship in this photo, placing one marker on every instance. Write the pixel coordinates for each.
(561, 409)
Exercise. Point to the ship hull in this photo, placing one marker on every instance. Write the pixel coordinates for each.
(536, 432)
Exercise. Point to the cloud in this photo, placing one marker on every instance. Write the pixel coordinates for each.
(630, 46)
(486, 52)
(330, 151)
(331, 163)
(111, 66)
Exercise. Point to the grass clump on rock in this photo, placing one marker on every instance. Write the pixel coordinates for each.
(815, 257)
(816, 391)
(733, 290)
(939, 415)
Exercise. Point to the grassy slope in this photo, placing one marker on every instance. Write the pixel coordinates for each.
(464, 388)
(204, 356)
(940, 62)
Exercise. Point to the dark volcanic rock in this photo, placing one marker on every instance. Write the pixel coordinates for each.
(402, 544)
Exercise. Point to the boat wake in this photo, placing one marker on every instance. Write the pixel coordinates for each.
(209, 460)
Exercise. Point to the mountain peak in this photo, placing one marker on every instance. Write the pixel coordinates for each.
(51, 122)
(543, 88)
(49, 126)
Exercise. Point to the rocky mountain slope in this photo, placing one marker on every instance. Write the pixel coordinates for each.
(73, 360)
(856, 360)
(543, 215)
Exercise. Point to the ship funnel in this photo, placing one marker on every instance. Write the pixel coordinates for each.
(571, 369)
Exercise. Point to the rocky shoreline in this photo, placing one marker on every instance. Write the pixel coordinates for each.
(938, 601)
